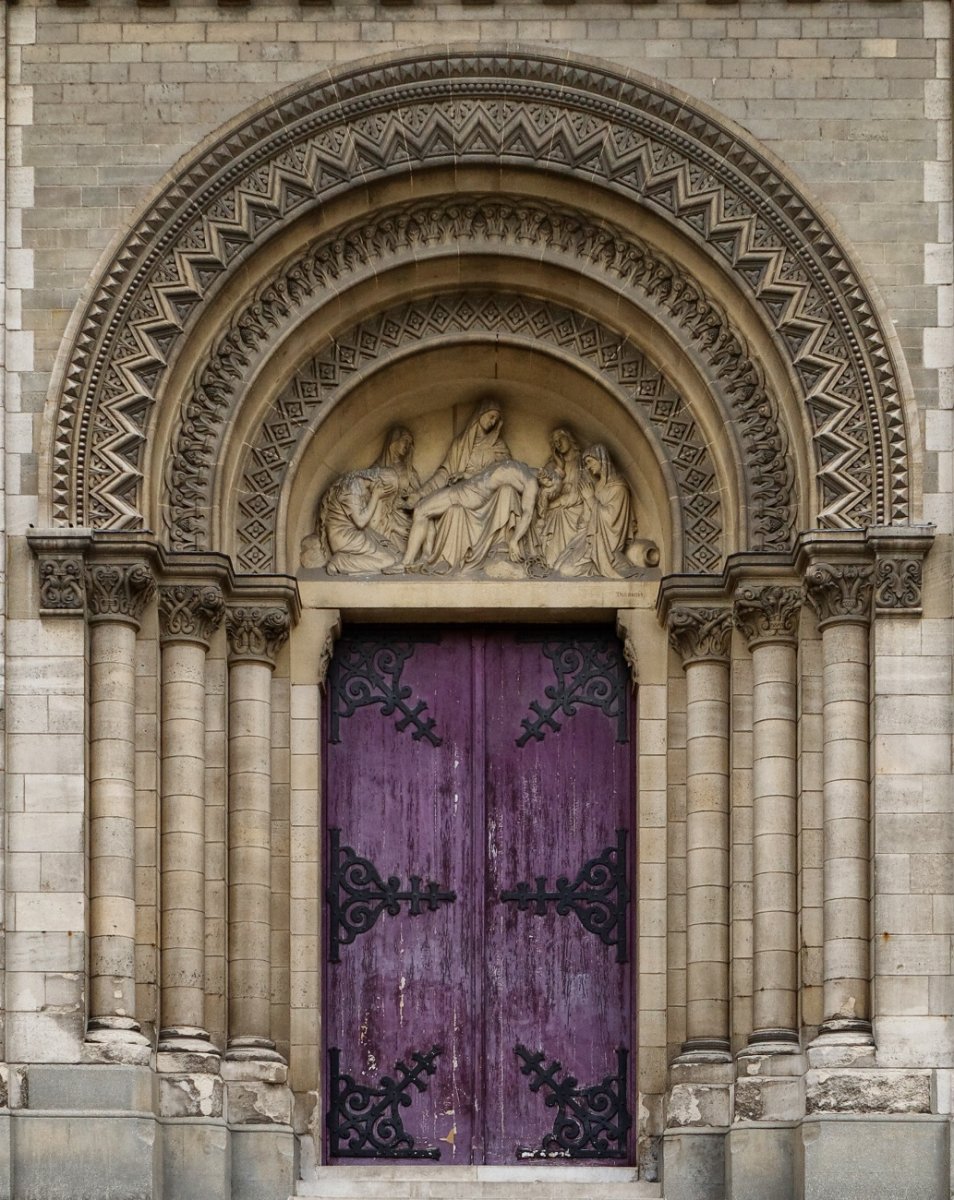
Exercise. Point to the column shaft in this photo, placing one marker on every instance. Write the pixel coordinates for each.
(774, 843)
(841, 596)
(116, 594)
(249, 849)
(112, 826)
(846, 850)
(183, 839)
(707, 854)
(701, 636)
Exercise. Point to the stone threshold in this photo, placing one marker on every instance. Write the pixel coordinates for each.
(477, 1183)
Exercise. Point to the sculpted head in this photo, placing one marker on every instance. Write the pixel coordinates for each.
(562, 441)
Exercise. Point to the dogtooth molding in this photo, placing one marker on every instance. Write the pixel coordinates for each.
(621, 132)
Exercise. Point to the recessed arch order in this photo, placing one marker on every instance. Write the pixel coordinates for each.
(435, 172)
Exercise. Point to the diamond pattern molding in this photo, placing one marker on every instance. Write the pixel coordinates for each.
(507, 224)
(621, 133)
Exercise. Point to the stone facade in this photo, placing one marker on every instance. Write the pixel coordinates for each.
(242, 243)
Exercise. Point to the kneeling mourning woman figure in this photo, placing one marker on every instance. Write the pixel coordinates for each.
(363, 521)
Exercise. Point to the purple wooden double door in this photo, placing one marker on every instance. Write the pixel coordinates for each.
(478, 913)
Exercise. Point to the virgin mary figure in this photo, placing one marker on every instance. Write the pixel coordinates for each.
(464, 511)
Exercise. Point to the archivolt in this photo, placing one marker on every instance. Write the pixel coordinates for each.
(621, 133)
(479, 225)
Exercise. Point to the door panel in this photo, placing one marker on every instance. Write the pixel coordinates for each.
(401, 802)
(495, 767)
(552, 986)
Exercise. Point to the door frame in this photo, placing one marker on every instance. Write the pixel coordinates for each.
(647, 655)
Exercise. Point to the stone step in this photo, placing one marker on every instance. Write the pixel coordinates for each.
(476, 1183)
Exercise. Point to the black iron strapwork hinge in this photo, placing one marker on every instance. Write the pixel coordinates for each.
(598, 896)
(367, 670)
(365, 1122)
(588, 670)
(357, 896)
(591, 1122)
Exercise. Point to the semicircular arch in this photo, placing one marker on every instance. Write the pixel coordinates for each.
(626, 135)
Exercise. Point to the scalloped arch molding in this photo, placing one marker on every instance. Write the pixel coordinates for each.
(530, 110)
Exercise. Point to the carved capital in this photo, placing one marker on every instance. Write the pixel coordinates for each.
(897, 584)
(118, 591)
(840, 592)
(190, 612)
(767, 614)
(256, 634)
(700, 633)
(62, 585)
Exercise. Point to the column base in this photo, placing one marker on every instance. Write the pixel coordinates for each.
(704, 1050)
(115, 1029)
(252, 1050)
(843, 1044)
(182, 1042)
(771, 1041)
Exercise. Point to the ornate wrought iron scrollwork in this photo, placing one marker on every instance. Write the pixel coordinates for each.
(367, 670)
(591, 1122)
(357, 895)
(365, 1122)
(588, 670)
(598, 896)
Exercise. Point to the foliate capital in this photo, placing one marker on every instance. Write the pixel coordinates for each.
(256, 634)
(767, 614)
(840, 592)
(190, 612)
(700, 633)
(118, 591)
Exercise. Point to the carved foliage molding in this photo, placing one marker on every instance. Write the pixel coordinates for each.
(479, 224)
(840, 592)
(118, 591)
(481, 313)
(620, 133)
(190, 612)
(897, 584)
(62, 585)
(767, 614)
(699, 633)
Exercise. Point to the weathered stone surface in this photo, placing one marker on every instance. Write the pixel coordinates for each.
(693, 1166)
(105, 1088)
(264, 1164)
(759, 1163)
(868, 1091)
(191, 1095)
(196, 1160)
(86, 1158)
(844, 1158)
(252, 1103)
(694, 1105)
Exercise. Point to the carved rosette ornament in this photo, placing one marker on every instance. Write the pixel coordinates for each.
(840, 592)
(190, 612)
(118, 591)
(700, 633)
(767, 614)
(256, 633)
(897, 584)
(62, 590)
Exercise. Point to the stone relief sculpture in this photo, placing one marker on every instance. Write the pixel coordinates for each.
(481, 512)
